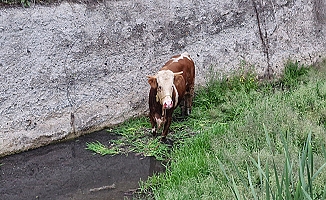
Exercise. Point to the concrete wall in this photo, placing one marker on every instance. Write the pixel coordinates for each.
(69, 69)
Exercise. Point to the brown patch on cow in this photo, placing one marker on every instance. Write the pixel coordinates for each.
(173, 84)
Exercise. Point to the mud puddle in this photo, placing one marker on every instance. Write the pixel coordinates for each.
(67, 170)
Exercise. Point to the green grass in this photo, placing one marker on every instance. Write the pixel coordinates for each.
(245, 139)
(101, 149)
(258, 141)
(135, 137)
(24, 3)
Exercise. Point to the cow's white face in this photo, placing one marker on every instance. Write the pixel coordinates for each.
(164, 82)
(165, 86)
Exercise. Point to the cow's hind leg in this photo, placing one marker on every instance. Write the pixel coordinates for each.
(183, 107)
(188, 99)
(153, 123)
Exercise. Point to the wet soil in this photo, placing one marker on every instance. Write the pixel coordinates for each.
(67, 170)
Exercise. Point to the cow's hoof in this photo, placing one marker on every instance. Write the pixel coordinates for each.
(154, 132)
(163, 139)
(169, 142)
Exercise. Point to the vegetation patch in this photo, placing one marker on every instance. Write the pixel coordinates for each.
(259, 141)
(245, 139)
(135, 136)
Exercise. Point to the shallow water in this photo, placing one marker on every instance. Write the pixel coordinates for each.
(67, 170)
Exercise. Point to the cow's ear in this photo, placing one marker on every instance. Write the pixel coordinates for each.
(178, 79)
(152, 81)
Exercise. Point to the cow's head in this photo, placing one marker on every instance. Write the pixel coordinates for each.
(163, 81)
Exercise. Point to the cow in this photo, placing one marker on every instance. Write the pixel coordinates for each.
(173, 85)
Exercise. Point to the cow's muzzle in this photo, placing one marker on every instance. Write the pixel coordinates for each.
(167, 104)
(165, 101)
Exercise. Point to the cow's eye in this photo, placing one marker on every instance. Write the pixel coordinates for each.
(159, 88)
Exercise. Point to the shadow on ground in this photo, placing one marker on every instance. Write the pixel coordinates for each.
(67, 170)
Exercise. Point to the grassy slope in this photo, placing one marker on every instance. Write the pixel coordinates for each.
(232, 118)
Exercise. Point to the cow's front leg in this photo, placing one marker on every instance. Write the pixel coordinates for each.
(153, 123)
(166, 128)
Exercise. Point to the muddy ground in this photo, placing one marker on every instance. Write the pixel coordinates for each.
(67, 170)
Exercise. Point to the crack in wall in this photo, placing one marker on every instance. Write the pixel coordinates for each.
(264, 40)
(70, 88)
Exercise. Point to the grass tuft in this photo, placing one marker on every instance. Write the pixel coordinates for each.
(293, 75)
(101, 149)
(134, 137)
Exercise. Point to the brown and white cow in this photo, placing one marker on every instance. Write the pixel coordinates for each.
(173, 85)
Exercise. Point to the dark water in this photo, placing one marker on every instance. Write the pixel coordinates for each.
(68, 171)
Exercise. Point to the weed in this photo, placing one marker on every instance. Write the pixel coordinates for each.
(272, 184)
(219, 91)
(292, 75)
(24, 3)
(99, 148)
(134, 137)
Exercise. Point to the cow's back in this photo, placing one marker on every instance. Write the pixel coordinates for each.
(186, 65)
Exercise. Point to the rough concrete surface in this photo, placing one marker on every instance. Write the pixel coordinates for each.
(70, 69)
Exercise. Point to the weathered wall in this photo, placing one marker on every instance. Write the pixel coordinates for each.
(69, 69)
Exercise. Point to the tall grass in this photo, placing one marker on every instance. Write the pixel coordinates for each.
(258, 140)
(288, 183)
